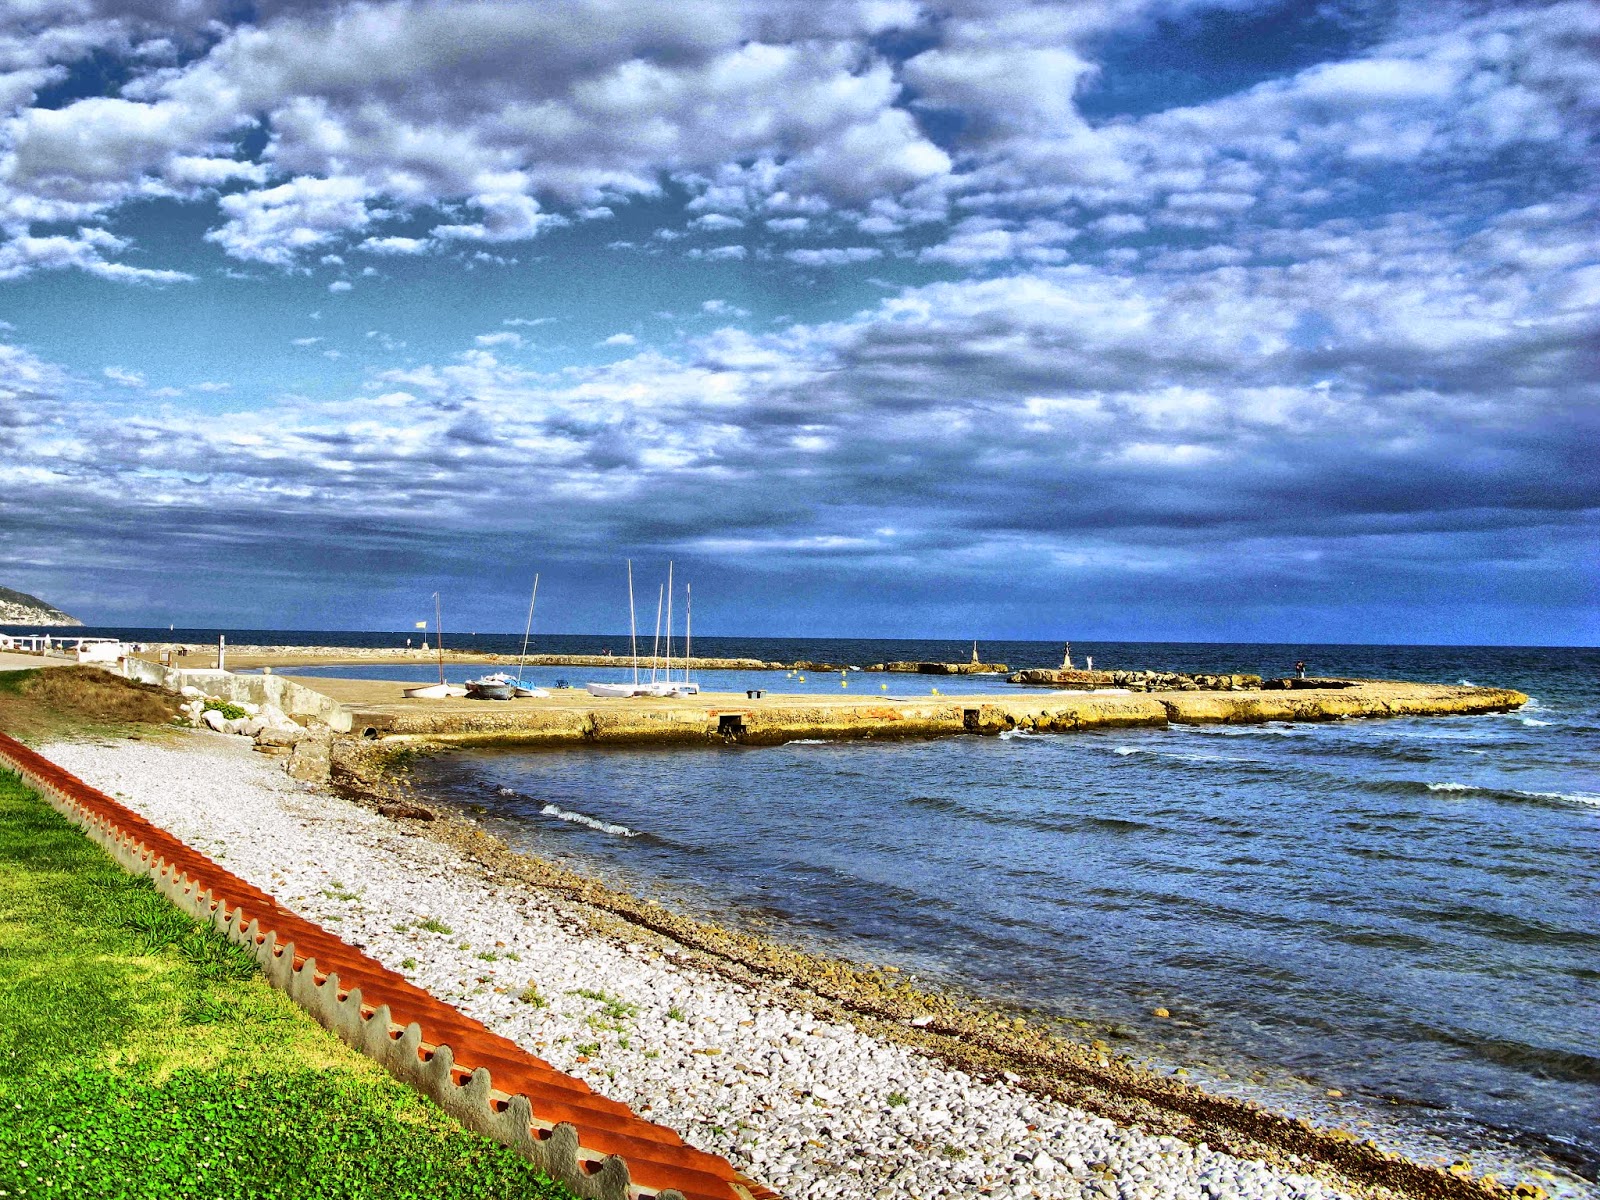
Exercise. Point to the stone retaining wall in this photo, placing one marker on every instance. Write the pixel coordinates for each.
(294, 699)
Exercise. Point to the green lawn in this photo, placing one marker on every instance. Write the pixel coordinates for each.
(143, 1055)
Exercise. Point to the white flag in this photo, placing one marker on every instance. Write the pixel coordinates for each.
(422, 624)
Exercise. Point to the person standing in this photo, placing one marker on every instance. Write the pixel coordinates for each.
(1300, 668)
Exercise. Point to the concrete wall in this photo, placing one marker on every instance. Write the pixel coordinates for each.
(299, 702)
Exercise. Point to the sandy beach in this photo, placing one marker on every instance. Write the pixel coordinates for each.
(794, 1095)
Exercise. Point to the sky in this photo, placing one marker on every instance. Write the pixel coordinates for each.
(1217, 320)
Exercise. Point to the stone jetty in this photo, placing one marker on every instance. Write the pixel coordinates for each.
(377, 710)
(941, 668)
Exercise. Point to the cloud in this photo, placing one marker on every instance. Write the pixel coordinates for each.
(1346, 401)
(833, 256)
(395, 245)
(503, 338)
(126, 378)
(275, 225)
(340, 285)
(620, 339)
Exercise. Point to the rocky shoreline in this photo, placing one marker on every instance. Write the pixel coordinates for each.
(789, 1063)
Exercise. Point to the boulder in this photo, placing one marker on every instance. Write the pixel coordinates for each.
(312, 757)
(215, 720)
(280, 735)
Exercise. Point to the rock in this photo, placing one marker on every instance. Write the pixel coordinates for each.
(280, 735)
(214, 718)
(312, 759)
(190, 691)
(1161, 1012)
(406, 812)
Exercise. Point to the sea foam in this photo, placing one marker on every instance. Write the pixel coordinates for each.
(578, 818)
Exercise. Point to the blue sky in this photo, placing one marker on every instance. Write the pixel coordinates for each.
(1143, 319)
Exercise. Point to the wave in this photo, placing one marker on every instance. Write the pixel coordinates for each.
(1591, 799)
(1127, 750)
(578, 818)
(807, 742)
(1532, 721)
(1007, 735)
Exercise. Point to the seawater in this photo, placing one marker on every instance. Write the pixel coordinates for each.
(1405, 910)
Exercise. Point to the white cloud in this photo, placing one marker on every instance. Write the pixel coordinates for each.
(275, 225)
(620, 339)
(133, 379)
(395, 245)
(340, 285)
(833, 256)
(717, 221)
(503, 338)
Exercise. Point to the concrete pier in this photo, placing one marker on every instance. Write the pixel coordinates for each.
(378, 710)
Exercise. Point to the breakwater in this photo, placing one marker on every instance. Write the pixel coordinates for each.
(378, 711)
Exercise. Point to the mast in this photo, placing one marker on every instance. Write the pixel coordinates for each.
(633, 626)
(529, 627)
(655, 643)
(438, 634)
(688, 629)
(669, 620)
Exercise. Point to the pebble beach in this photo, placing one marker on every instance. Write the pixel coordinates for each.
(811, 1106)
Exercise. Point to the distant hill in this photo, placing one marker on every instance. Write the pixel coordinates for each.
(19, 608)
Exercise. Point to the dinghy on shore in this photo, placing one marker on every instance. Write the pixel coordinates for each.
(435, 691)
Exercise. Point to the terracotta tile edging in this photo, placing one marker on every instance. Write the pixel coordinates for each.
(597, 1147)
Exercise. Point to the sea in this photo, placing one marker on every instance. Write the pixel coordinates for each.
(1402, 911)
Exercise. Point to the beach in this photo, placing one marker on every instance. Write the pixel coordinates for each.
(791, 1087)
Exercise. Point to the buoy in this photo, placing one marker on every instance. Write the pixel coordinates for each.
(883, 687)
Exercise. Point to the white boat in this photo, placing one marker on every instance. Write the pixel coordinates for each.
(435, 691)
(523, 691)
(616, 691)
(676, 687)
(652, 687)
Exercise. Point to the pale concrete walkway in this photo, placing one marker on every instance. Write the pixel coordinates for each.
(27, 662)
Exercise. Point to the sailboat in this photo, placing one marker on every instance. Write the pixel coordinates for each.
(666, 686)
(623, 690)
(433, 691)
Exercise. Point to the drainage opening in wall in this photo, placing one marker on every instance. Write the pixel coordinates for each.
(370, 733)
(730, 725)
(969, 718)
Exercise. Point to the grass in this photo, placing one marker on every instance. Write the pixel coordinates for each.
(143, 1056)
(54, 702)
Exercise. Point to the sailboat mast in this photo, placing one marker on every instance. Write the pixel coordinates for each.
(688, 629)
(669, 620)
(528, 629)
(438, 633)
(633, 626)
(655, 642)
